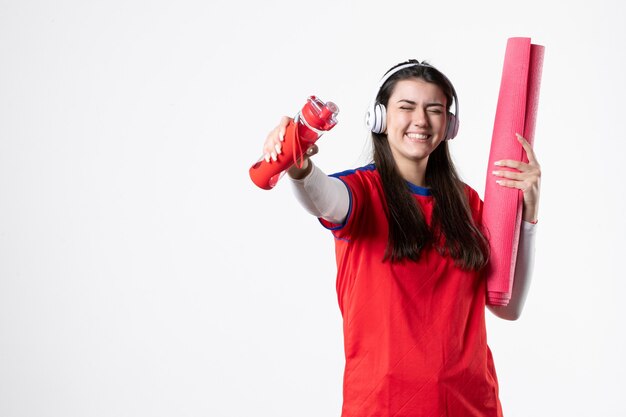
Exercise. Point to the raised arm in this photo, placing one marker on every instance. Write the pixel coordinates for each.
(320, 195)
(527, 178)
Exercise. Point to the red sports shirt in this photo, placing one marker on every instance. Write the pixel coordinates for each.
(414, 332)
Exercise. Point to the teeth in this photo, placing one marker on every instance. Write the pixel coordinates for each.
(416, 136)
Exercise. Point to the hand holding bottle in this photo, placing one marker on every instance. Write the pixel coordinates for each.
(272, 148)
(288, 146)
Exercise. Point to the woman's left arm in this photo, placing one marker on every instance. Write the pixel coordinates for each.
(528, 180)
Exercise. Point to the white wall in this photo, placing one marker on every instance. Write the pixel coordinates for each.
(141, 272)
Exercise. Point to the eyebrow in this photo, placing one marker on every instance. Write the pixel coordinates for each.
(411, 102)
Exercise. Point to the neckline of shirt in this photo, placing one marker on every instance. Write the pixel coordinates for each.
(416, 189)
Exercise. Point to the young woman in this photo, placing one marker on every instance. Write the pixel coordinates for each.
(410, 251)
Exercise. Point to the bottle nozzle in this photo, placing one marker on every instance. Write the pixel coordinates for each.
(320, 115)
(329, 110)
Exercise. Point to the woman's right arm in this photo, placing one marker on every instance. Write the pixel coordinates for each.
(321, 195)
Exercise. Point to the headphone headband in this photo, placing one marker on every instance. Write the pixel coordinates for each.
(377, 113)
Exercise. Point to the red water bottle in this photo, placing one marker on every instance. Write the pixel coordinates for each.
(315, 118)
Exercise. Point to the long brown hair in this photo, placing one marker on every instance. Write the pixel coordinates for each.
(452, 229)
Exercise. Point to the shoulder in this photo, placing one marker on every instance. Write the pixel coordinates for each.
(363, 178)
(474, 201)
(471, 193)
(362, 184)
(364, 171)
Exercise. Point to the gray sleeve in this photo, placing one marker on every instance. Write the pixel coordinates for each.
(523, 274)
(322, 196)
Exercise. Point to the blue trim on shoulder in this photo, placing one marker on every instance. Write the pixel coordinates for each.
(369, 167)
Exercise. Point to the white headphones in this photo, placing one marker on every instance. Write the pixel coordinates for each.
(376, 118)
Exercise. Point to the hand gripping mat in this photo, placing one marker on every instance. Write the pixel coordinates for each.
(516, 113)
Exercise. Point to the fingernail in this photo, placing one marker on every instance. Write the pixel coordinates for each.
(277, 148)
(498, 163)
(274, 156)
(267, 157)
(281, 136)
(519, 137)
(499, 182)
(495, 172)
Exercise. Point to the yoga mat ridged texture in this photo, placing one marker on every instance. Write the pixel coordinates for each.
(516, 113)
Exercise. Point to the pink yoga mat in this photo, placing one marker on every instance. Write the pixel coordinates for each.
(516, 113)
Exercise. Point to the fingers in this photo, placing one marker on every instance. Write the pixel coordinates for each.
(510, 163)
(508, 174)
(524, 176)
(271, 150)
(274, 152)
(530, 153)
(521, 166)
(284, 121)
(273, 143)
(526, 173)
(520, 185)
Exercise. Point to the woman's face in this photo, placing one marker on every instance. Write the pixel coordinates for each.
(416, 120)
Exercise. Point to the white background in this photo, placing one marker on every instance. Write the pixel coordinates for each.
(142, 273)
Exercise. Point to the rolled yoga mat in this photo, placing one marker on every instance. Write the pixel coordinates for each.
(516, 113)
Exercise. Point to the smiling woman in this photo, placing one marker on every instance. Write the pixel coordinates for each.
(411, 252)
(416, 121)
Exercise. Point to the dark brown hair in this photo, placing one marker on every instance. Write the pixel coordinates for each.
(452, 229)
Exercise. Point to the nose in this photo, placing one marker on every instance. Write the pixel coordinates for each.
(420, 117)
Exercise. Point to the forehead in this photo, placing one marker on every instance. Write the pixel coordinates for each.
(416, 89)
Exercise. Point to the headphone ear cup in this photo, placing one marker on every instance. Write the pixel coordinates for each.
(452, 127)
(375, 118)
(378, 123)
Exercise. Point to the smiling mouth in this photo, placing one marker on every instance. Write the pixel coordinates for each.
(417, 136)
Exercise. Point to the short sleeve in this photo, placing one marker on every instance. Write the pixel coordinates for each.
(358, 183)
